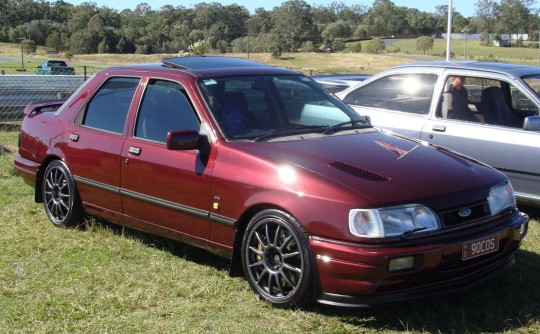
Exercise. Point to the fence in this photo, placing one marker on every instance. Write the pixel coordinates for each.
(16, 91)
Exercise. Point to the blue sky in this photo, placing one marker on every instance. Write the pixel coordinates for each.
(465, 7)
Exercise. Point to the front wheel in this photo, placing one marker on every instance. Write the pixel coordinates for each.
(277, 260)
(60, 197)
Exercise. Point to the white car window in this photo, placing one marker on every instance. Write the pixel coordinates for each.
(410, 93)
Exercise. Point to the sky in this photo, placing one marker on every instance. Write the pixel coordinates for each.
(464, 7)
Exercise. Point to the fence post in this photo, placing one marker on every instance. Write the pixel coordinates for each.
(84, 73)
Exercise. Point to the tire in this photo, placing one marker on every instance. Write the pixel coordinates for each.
(60, 197)
(277, 260)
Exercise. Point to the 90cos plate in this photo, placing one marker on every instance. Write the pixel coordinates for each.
(480, 247)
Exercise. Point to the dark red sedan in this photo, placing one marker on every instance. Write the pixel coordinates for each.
(262, 166)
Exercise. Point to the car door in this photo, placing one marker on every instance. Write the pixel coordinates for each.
(163, 188)
(497, 138)
(398, 102)
(95, 142)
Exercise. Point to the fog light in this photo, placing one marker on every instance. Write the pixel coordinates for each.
(401, 263)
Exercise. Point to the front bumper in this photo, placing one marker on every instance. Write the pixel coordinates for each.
(358, 275)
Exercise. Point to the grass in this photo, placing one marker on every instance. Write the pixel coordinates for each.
(105, 279)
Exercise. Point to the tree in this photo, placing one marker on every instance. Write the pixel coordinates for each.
(487, 13)
(514, 15)
(294, 23)
(424, 43)
(376, 45)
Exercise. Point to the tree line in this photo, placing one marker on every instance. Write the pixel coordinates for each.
(294, 25)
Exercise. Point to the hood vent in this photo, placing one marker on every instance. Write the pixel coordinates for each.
(359, 172)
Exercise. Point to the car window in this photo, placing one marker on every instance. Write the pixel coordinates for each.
(165, 107)
(486, 100)
(409, 93)
(108, 108)
(247, 107)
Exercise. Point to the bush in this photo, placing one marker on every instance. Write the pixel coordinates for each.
(376, 45)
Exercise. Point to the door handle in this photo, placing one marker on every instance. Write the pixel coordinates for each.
(74, 137)
(439, 128)
(135, 150)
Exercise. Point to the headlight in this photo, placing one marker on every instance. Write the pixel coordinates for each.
(500, 198)
(393, 221)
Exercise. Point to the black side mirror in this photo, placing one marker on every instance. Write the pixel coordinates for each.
(532, 123)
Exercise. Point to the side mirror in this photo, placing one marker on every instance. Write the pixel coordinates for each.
(532, 123)
(183, 140)
(367, 118)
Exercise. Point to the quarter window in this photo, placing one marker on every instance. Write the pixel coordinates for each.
(409, 93)
(109, 107)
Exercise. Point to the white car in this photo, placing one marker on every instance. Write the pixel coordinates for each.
(504, 99)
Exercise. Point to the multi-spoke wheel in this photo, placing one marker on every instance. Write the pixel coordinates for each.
(277, 260)
(60, 196)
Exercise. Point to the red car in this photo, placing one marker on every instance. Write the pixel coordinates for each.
(261, 165)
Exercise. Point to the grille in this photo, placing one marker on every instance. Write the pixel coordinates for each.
(458, 216)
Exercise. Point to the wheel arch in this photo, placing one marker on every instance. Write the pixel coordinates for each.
(38, 195)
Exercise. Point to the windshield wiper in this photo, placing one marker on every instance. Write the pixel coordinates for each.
(284, 132)
(338, 127)
(410, 232)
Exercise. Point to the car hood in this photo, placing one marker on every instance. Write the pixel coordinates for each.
(385, 169)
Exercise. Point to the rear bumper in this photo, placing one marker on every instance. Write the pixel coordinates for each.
(27, 169)
(359, 276)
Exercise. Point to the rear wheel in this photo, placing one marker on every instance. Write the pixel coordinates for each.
(277, 260)
(60, 197)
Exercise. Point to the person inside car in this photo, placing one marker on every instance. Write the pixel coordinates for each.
(456, 101)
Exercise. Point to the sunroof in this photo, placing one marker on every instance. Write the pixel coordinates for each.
(204, 62)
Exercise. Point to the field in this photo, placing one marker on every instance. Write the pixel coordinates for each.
(105, 279)
(308, 63)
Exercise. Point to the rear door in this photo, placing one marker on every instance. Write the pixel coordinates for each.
(95, 142)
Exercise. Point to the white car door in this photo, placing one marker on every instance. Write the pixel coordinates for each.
(505, 146)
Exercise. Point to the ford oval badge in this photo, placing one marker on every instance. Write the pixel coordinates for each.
(465, 212)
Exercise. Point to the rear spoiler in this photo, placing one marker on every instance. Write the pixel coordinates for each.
(43, 106)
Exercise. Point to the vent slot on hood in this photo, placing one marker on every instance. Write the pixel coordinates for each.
(358, 172)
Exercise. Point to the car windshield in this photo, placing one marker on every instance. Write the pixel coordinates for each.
(533, 81)
(264, 107)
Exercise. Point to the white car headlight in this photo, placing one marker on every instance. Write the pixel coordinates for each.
(501, 197)
(393, 221)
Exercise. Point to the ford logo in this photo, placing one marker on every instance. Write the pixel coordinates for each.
(465, 213)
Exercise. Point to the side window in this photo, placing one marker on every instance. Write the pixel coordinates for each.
(409, 93)
(165, 107)
(108, 108)
(485, 100)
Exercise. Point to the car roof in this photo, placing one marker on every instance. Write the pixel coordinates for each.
(202, 66)
(514, 70)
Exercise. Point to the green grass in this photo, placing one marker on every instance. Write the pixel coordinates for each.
(105, 279)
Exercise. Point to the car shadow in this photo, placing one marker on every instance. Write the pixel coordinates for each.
(508, 302)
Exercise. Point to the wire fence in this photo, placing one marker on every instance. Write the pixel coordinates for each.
(17, 91)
